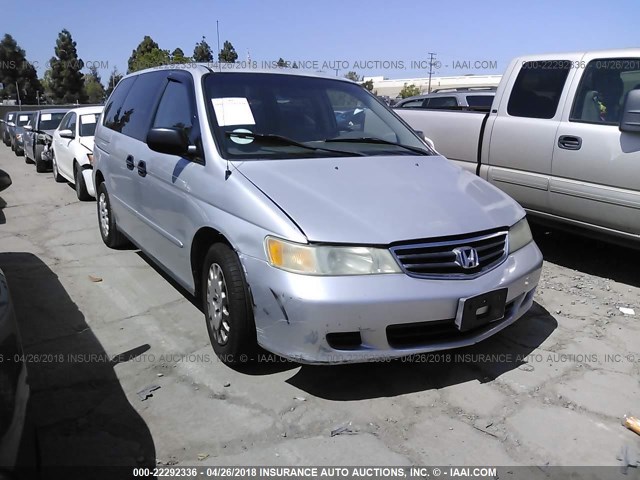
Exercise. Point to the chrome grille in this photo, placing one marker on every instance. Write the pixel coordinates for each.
(444, 258)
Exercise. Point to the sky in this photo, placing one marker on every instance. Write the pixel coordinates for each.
(385, 38)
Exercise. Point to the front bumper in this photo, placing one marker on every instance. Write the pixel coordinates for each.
(87, 173)
(294, 313)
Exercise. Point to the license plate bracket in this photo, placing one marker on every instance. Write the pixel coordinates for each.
(474, 312)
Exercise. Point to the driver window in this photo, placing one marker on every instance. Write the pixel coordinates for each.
(72, 124)
(174, 110)
(603, 88)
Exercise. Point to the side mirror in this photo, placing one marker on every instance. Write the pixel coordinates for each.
(171, 141)
(67, 134)
(5, 180)
(630, 121)
(428, 141)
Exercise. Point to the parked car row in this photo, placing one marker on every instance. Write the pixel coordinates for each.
(57, 139)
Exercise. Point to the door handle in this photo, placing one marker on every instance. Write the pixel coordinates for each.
(142, 168)
(129, 162)
(570, 142)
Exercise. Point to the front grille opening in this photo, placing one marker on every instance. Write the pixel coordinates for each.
(440, 258)
(408, 335)
(344, 340)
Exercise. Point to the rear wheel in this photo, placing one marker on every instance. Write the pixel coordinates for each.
(54, 165)
(81, 187)
(109, 232)
(227, 306)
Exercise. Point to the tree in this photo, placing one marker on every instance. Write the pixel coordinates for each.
(93, 89)
(409, 91)
(14, 68)
(368, 85)
(177, 56)
(281, 63)
(151, 59)
(67, 81)
(148, 54)
(202, 52)
(228, 54)
(114, 78)
(352, 76)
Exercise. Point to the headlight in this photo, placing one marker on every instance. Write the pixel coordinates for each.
(519, 235)
(329, 260)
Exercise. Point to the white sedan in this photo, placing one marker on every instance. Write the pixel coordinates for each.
(73, 150)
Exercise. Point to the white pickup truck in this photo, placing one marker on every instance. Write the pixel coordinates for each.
(562, 138)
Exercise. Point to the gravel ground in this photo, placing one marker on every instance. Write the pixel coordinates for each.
(101, 325)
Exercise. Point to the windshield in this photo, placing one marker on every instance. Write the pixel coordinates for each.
(23, 120)
(50, 121)
(88, 124)
(291, 116)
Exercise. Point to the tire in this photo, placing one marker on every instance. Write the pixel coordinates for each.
(228, 308)
(109, 232)
(41, 165)
(81, 187)
(56, 175)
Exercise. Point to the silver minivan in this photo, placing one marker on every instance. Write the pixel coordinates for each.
(307, 216)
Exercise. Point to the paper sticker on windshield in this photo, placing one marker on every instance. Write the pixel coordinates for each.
(45, 116)
(233, 111)
(87, 119)
(23, 118)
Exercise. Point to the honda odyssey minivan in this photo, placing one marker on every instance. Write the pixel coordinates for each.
(318, 240)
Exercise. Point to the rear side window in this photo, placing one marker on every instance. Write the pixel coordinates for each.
(113, 113)
(480, 101)
(537, 89)
(413, 103)
(442, 102)
(140, 103)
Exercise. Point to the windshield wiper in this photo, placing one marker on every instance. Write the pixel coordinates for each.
(378, 141)
(281, 140)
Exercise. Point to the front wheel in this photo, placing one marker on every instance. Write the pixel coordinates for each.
(109, 232)
(56, 174)
(227, 306)
(41, 165)
(81, 187)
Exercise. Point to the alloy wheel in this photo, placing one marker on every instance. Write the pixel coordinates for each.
(218, 304)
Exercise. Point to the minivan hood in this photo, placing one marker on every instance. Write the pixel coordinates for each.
(382, 199)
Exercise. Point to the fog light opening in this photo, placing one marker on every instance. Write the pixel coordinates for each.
(344, 340)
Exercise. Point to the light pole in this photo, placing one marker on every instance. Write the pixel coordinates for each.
(431, 56)
(18, 93)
